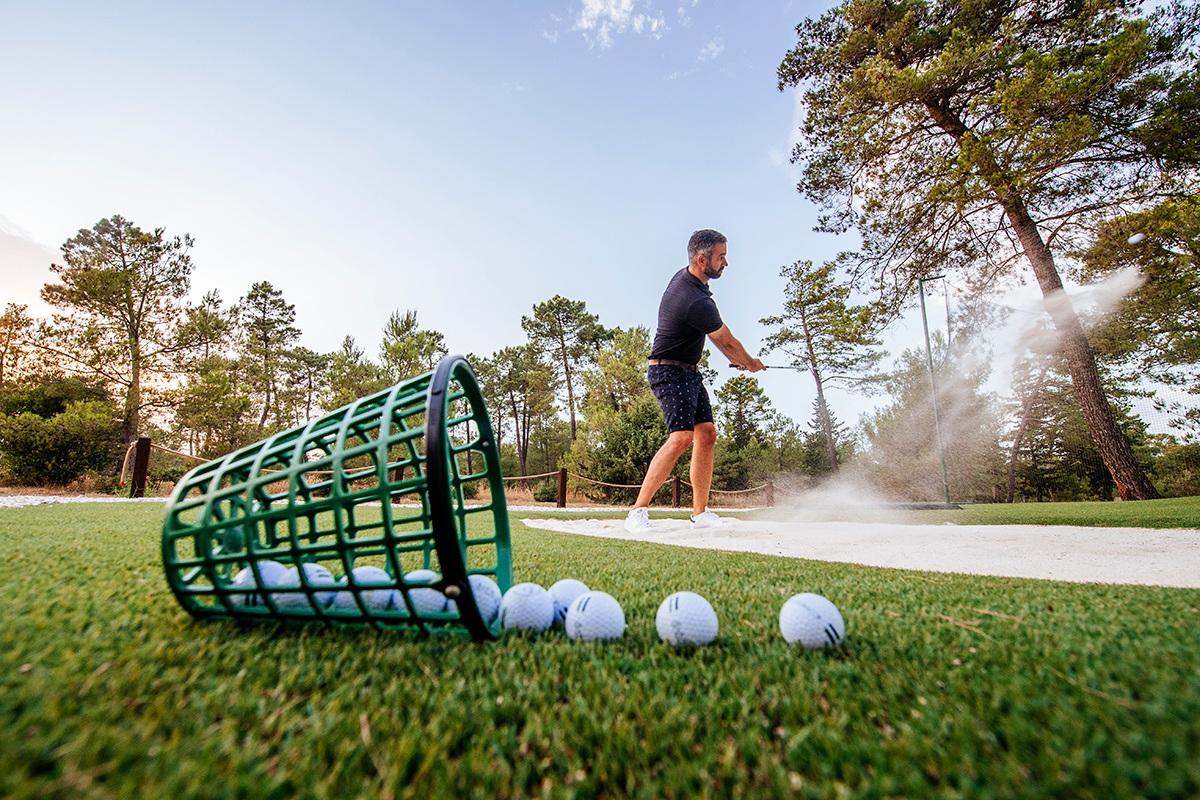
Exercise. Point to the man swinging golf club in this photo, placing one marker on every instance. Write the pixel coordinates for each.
(686, 315)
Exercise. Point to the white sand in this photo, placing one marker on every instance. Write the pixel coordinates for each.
(1062, 553)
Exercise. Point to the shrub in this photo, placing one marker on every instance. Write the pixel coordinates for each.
(626, 446)
(47, 396)
(56, 450)
(1178, 470)
(546, 491)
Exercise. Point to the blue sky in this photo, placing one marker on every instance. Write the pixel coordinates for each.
(465, 159)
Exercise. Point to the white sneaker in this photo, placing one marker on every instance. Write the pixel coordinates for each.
(706, 519)
(638, 521)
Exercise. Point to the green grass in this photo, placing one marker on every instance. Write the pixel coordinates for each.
(108, 689)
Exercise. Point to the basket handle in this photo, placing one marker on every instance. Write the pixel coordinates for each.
(454, 582)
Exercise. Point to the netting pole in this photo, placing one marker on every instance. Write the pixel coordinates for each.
(562, 487)
(770, 494)
(141, 465)
(674, 491)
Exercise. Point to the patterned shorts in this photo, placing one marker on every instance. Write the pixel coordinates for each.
(681, 395)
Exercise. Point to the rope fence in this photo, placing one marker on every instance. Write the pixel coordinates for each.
(140, 450)
(676, 489)
(531, 477)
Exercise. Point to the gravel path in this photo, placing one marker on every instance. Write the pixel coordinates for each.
(22, 500)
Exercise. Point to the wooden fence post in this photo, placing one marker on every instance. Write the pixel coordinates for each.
(141, 464)
(674, 491)
(770, 493)
(562, 487)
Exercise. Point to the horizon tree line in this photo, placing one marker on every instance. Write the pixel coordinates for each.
(222, 377)
(998, 141)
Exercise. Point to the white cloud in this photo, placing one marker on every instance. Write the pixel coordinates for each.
(781, 157)
(712, 49)
(600, 20)
(553, 37)
(682, 11)
(24, 267)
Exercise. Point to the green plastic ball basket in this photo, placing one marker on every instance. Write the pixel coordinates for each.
(383, 482)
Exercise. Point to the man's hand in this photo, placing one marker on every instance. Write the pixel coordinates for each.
(725, 341)
(753, 365)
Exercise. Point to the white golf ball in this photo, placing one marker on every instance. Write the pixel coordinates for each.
(686, 618)
(526, 607)
(379, 599)
(316, 575)
(487, 597)
(564, 593)
(812, 621)
(595, 615)
(272, 574)
(425, 601)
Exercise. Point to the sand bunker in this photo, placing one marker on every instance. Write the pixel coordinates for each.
(1062, 553)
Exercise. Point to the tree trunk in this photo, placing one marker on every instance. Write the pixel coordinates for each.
(262, 422)
(1114, 448)
(522, 441)
(826, 422)
(570, 391)
(1026, 408)
(133, 397)
(827, 426)
(4, 354)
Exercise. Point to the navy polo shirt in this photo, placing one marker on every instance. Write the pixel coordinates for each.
(686, 315)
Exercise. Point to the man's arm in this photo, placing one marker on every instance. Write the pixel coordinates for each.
(725, 341)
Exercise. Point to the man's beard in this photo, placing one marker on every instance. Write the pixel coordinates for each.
(713, 272)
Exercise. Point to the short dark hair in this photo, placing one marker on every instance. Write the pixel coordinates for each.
(703, 242)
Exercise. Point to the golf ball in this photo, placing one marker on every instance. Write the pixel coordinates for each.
(686, 618)
(425, 601)
(595, 615)
(487, 597)
(378, 599)
(812, 621)
(564, 593)
(272, 573)
(315, 575)
(527, 607)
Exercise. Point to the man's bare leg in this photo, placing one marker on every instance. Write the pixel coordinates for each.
(662, 464)
(705, 443)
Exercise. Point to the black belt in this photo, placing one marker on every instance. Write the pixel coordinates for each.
(670, 362)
